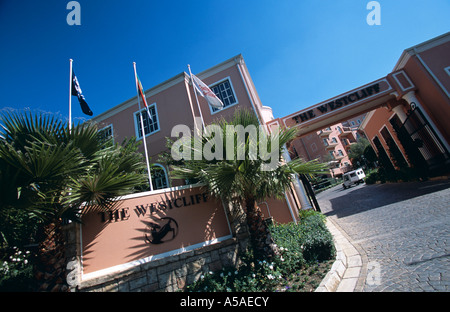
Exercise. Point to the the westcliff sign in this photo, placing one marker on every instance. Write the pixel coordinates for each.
(143, 209)
(340, 102)
(337, 105)
(149, 226)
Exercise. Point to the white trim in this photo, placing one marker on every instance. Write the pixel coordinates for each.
(400, 84)
(289, 206)
(148, 93)
(232, 89)
(161, 191)
(248, 92)
(220, 67)
(447, 70)
(136, 128)
(431, 73)
(129, 265)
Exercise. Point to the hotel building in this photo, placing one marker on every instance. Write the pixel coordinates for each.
(406, 115)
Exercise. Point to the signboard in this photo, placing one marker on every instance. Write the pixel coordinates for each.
(338, 104)
(147, 226)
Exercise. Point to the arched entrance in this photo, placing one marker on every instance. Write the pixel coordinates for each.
(404, 128)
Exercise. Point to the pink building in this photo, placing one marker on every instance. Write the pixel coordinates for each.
(330, 145)
(171, 103)
(407, 111)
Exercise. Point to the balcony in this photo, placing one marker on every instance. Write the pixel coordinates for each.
(346, 132)
(325, 132)
(331, 145)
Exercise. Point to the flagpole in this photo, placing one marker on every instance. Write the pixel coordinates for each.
(70, 97)
(143, 131)
(196, 98)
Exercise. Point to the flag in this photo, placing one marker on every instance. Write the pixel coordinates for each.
(76, 91)
(206, 92)
(141, 92)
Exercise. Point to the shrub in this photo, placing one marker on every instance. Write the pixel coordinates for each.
(372, 178)
(317, 241)
(310, 238)
(16, 271)
(301, 245)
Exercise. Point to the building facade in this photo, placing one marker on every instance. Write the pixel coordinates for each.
(406, 112)
(404, 115)
(173, 103)
(329, 145)
(416, 132)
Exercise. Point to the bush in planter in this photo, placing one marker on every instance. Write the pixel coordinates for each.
(372, 178)
(309, 238)
(316, 240)
(307, 241)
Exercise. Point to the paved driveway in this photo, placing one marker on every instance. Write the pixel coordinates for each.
(403, 228)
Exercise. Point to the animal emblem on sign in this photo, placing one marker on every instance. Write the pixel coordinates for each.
(166, 229)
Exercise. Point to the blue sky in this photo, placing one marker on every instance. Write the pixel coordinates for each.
(298, 52)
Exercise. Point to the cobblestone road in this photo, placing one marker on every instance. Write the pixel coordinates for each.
(403, 228)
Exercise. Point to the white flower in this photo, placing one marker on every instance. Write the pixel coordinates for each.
(271, 267)
(210, 273)
(202, 276)
(281, 248)
(270, 276)
(253, 275)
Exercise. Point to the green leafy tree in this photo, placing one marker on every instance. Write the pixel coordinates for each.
(356, 151)
(50, 174)
(243, 180)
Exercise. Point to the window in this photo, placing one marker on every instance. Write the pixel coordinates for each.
(325, 142)
(333, 140)
(339, 129)
(224, 91)
(159, 177)
(106, 133)
(150, 119)
(340, 153)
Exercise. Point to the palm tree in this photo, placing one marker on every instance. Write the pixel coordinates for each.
(52, 173)
(245, 181)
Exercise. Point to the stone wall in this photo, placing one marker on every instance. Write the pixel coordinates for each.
(171, 273)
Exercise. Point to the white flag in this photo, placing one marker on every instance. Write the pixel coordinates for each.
(206, 92)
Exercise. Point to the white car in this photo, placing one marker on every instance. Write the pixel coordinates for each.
(353, 177)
